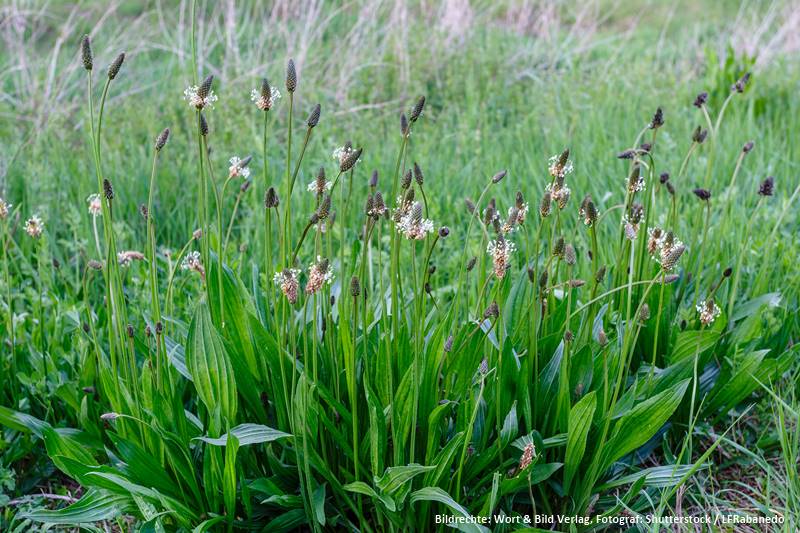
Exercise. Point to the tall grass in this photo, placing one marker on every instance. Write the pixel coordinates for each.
(357, 363)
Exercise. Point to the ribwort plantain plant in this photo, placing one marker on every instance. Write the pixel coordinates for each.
(378, 367)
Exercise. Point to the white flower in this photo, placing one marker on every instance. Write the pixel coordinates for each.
(239, 167)
(192, 261)
(319, 187)
(5, 208)
(34, 227)
(95, 204)
(194, 99)
(522, 213)
(286, 279)
(635, 183)
(341, 153)
(127, 257)
(319, 274)
(709, 311)
(265, 104)
(500, 252)
(557, 170)
(559, 192)
(412, 225)
(631, 228)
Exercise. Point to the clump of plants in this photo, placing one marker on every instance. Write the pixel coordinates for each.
(351, 383)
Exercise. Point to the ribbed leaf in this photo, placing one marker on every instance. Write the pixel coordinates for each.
(580, 421)
(435, 494)
(636, 427)
(209, 365)
(247, 434)
(93, 507)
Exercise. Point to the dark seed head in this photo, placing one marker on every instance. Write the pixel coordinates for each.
(271, 198)
(471, 263)
(417, 110)
(373, 180)
(701, 100)
(351, 159)
(86, 53)
(403, 124)
(291, 76)
(159, 328)
(703, 194)
(658, 119)
(644, 313)
(405, 182)
(670, 188)
(444, 231)
(113, 70)
(546, 205)
(543, 280)
(493, 311)
(162, 139)
(108, 189)
(129, 331)
(418, 177)
(324, 209)
(203, 125)
(600, 275)
(313, 118)
(748, 147)
(699, 135)
(727, 272)
(205, 87)
(626, 154)
(767, 187)
(569, 255)
(499, 176)
(355, 286)
(558, 247)
(741, 83)
(369, 205)
(672, 257)
(664, 177)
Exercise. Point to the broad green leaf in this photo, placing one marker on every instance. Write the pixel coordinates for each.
(247, 434)
(435, 494)
(510, 426)
(319, 504)
(531, 476)
(580, 421)
(229, 475)
(640, 423)
(657, 476)
(687, 343)
(94, 506)
(396, 476)
(209, 365)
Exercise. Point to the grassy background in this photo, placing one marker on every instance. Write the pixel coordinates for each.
(508, 85)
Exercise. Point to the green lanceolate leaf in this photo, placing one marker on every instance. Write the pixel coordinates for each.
(637, 426)
(94, 506)
(209, 365)
(247, 434)
(580, 421)
(435, 494)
